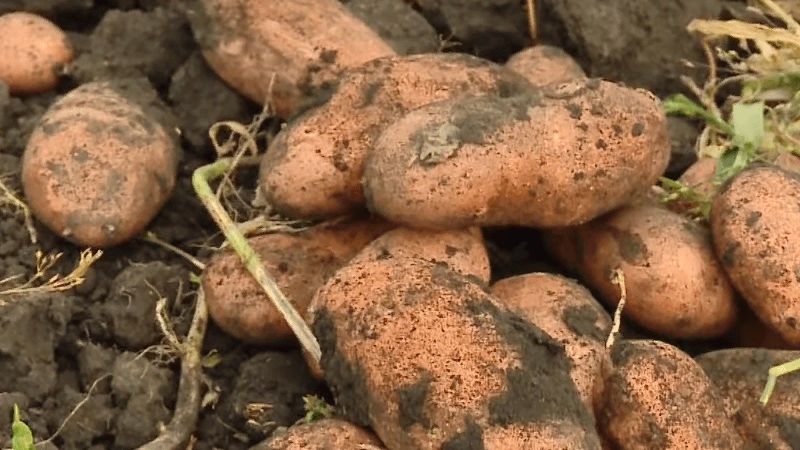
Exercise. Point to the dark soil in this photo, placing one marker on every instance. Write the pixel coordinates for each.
(101, 336)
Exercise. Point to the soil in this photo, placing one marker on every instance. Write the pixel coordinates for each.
(101, 336)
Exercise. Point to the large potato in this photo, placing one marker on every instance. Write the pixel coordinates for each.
(554, 158)
(304, 44)
(101, 163)
(314, 166)
(675, 285)
(429, 360)
(566, 311)
(657, 397)
(325, 434)
(755, 221)
(544, 64)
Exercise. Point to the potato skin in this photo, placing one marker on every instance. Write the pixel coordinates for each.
(675, 285)
(657, 397)
(754, 221)
(314, 167)
(429, 360)
(305, 44)
(544, 64)
(567, 312)
(325, 434)
(543, 159)
(98, 167)
(31, 51)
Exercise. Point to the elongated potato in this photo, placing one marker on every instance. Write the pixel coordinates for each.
(314, 166)
(754, 221)
(657, 397)
(429, 360)
(566, 311)
(548, 159)
(101, 163)
(304, 44)
(675, 285)
(544, 64)
(325, 434)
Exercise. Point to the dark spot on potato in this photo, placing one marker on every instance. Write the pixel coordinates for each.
(617, 130)
(797, 273)
(411, 403)
(583, 127)
(578, 176)
(772, 270)
(575, 111)
(752, 219)
(582, 320)
(328, 56)
(370, 92)
(601, 144)
(283, 267)
(339, 161)
(450, 251)
(638, 129)
(729, 255)
(597, 110)
(791, 322)
(632, 248)
(469, 439)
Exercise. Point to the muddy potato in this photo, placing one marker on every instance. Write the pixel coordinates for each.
(566, 311)
(543, 159)
(101, 163)
(754, 221)
(428, 359)
(304, 44)
(314, 167)
(739, 374)
(299, 263)
(675, 285)
(658, 397)
(32, 51)
(545, 64)
(325, 434)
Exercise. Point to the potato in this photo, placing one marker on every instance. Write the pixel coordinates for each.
(544, 159)
(32, 51)
(299, 263)
(739, 375)
(567, 312)
(462, 250)
(657, 397)
(304, 44)
(429, 360)
(754, 221)
(325, 434)
(314, 167)
(675, 285)
(544, 64)
(101, 163)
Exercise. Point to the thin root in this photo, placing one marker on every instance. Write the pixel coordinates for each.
(618, 279)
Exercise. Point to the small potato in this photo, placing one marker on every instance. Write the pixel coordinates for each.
(299, 263)
(544, 64)
(325, 434)
(739, 375)
(101, 163)
(32, 51)
(675, 285)
(754, 221)
(304, 44)
(428, 359)
(314, 167)
(544, 159)
(566, 311)
(657, 397)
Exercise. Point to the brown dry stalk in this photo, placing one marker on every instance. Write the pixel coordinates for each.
(617, 278)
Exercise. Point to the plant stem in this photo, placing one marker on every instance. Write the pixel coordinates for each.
(774, 373)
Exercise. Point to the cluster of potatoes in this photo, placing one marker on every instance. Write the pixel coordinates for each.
(422, 347)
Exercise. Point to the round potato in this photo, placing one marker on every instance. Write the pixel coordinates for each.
(305, 45)
(101, 163)
(657, 397)
(675, 285)
(314, 167)
(567, 312)
(32, 51)
(754, 221)
(325, 434)
(544, 159)
(544, 64)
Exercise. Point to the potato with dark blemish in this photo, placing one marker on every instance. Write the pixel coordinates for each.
(544, 64)
(755, 221)
(429, 360)
(658, 397)
(299, 263)
(675, 285)
(314, 167)
(541, 159)
(739, 374)
(32, 51)
(99, 165)
(305, 45)
(566, 311)
(325, 434)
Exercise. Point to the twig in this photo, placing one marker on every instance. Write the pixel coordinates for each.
(153, 239)
(74, 410)
(251, 261)
(619, 279)
(532, 26)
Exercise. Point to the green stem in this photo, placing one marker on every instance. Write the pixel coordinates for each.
(774, 373)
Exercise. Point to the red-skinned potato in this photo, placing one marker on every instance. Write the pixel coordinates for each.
(544, 64)
(675, 285)
(304, 44)
(99, 166)
(324, 434)
(549, 158)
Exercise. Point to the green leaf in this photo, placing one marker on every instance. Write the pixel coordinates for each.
(748, 124)
(21, 436)
(680, 104)
(212, 359)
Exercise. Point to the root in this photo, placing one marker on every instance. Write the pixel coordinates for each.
(56, 283)
(619, 279)
(8, 196)
(153, 239)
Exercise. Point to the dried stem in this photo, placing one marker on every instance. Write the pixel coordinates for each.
(619, 279)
